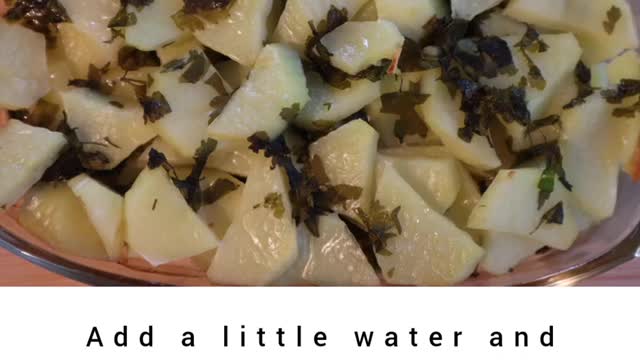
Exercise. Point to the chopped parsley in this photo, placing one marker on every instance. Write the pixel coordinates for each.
(96, 81)
(555, 215)
(311, 191)
(155, 107)
(132, 59)
(290, 114)
(403, 104)
(273, 201)
(583, 76)
(380, 225)
(613, 16)
(553, 170)
(189, 187)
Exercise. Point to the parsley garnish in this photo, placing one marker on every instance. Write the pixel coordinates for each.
(273, 201)
(311, 192)
(132, 59)
(555, 215)
(155, 107)
(613, 16)
(403, 104)
(380, 225)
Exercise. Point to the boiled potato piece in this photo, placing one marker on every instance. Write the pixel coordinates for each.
(261, 243)
(154, 27)
(443, 116)
(25, 154)
(368, 12)
(55, 215)
(97, 123)
(349, 157)
(86, 38)
(468, 198)
(498, 24)
(437, 180)
(186, 125)
(591, 161)
(465, 9)
(233, 157)
(557, 65)
(329, 105)
(411, 15)
(336, 259)
(161, 226)
(23, 66)
(242, 35)
(293, 27)
(585, 20)
(293, 276)
(92, 16)
(625, 66)
(510, 205)
(105, 210)
(431, 250)
(277, 82)
(506, 251)
(355, 46)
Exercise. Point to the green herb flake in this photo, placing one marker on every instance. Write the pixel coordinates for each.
(96, 81)
(380, 226)
(197, 69)
(132, 59)
(290, 114)
(555, 215)
(190, 186)
(404, 104)
(273, 201)
(553, 169)
(219, 189)
(613, 16)
(155, 107)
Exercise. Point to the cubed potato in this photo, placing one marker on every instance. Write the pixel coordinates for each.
(355, 46)
(55, 215)
(293, 27)
(160, 225)
(511, 205)
(25, 154)
(23, 66)
(349, 157)
(154, 27)
(336, 259)
(261, 243)
(430, 250)
(443, 116)
(242, 35)
(105, 210)
(277, 82)
(113, 131)
(411, 15)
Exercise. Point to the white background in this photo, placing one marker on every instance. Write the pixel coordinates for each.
(589, 323)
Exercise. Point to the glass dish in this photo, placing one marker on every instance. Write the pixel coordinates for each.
(604, 247)
(610, 244)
